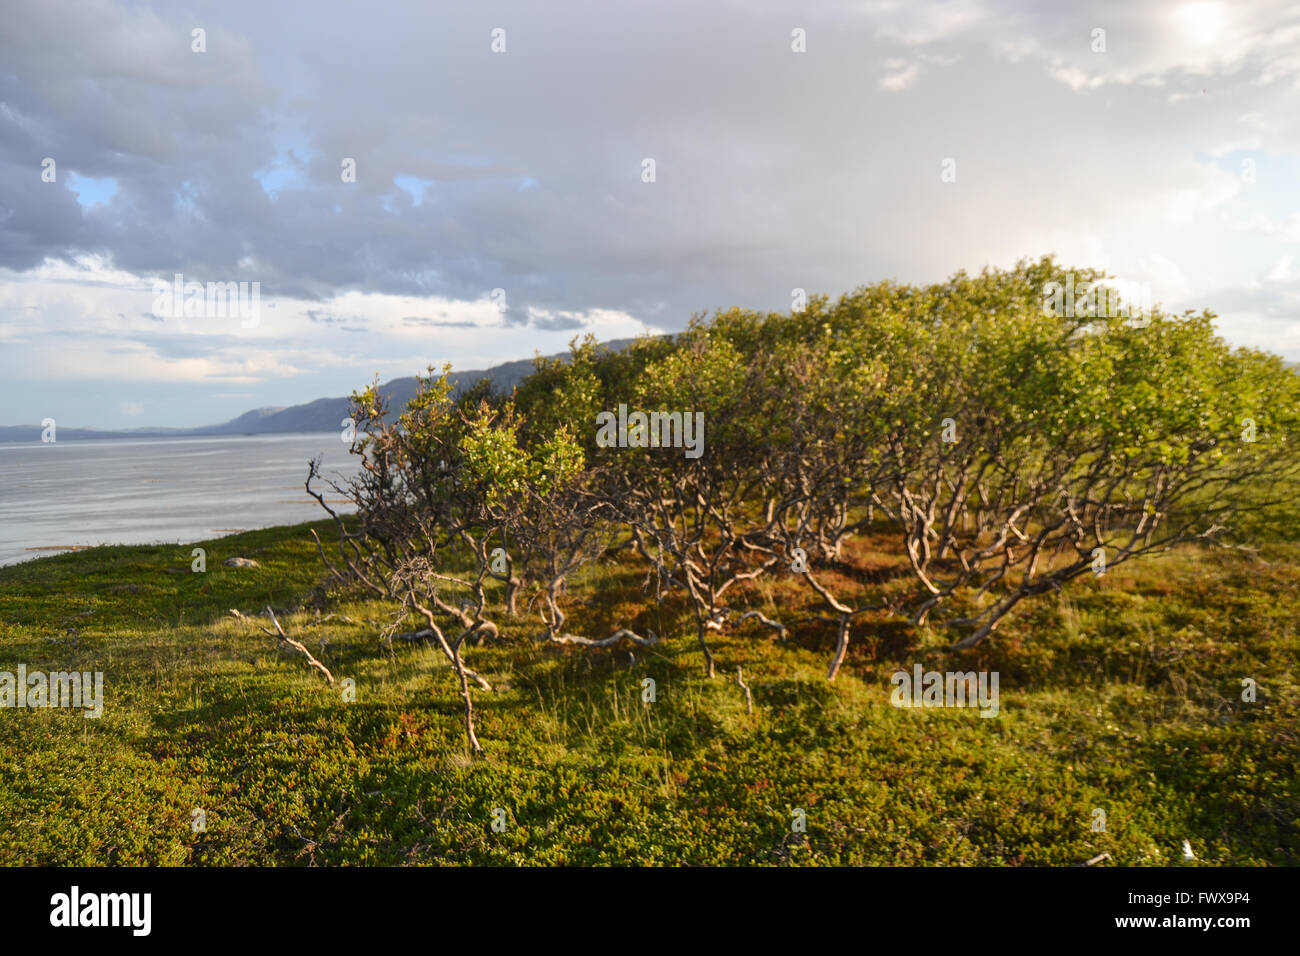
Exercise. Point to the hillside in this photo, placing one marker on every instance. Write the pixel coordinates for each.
(1123, 695)
(956, 582)
(319, 415)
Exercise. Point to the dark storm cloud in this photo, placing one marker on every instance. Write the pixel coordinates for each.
(533, 157)
(523, 170)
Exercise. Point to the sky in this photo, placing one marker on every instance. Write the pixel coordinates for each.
(503, 201)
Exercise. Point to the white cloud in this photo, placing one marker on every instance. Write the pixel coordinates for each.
(926, 22)
(819, 171)
(1281, 271)
(901, 76)
(1286, 230)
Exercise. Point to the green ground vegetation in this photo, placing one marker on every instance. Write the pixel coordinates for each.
(1123, 694)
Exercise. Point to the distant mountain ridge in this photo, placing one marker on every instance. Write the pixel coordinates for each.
(321, 415)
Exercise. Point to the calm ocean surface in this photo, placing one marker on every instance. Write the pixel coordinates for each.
(153, 491)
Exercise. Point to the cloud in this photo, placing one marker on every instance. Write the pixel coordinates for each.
(901, 75)
(1281, 271)
(522, 171)
(924, 23)
(322, 317)
(438, 323)
(1192, 46)
(1287, 230)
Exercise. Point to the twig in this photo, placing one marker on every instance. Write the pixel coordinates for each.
(749, 697)
(614, 638)
(763, 619)
(427, 634)
(290, 642)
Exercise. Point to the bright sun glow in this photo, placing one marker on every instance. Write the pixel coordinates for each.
(1202, 23)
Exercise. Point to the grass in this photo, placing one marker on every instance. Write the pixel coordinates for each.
(1122, 693)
